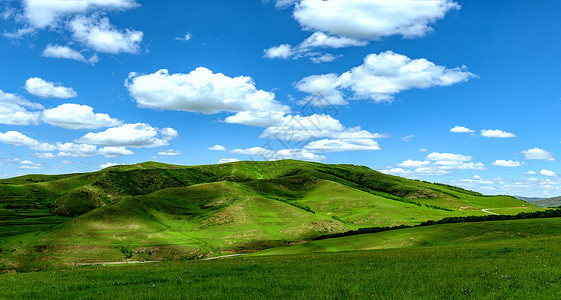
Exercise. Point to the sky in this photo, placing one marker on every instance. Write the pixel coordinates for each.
(459, 92)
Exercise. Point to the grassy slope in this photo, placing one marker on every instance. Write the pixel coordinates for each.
(458, 234)
(491, 267)
(548, 202)
(159, 211)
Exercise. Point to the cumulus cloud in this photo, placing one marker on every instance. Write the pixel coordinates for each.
(530, 173)
(322, 40)
(496, 133)
(435, 164)
(200, 90)
(109, 164)
(506, 163)
(413, 164)
(258, 118)
(169, 152)
(371, 19)
(74, 116)
(436, 156)
(227, 160)
(57, 51)
(114, 151)
(283, 51)
(548, 173)
(217, 148)
(139, 135)
(538, 154)
(338, 145)
(18, 139)
(305, 49)
(346, 23)
(461, 129)
(76, 150)
(100, 35)
(46, 155)
(380, 77)
(273, 154)
(43, 13)
(45, 89)
(316, 126)
(15, 110)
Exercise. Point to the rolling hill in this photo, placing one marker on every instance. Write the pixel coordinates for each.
(547, 202)
(154, 211)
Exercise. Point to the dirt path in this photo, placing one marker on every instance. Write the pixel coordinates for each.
(116, 263)
(223, 256)
(489, 212)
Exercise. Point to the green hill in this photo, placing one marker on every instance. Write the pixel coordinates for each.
(154, 211)
(548, 202)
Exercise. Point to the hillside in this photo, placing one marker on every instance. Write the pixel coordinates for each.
(156, 211)
(547, 202)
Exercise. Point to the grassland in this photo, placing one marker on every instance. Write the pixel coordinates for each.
(477, 262)
(154, 211)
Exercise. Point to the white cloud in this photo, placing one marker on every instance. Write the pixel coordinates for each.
(285, 3)
(530, 173)
(57, 51)
(380, 77)
(461, 129)
(538, 154)
(548, 173)
(497, 133)
(318, 58)
(398, 172)
(26, 164)
(218, 148)
(338, 145)
(371, 19)
(436, 164)
(273, 154)
(110, 164)
(407, 138)
(45, 89)
(74, 116)
(43, 13)
(18, 139)
(114, 151)
(76, 150)
(169, 152)
(316, 40)
(14, 110)
(20, 33)
(302, 128)
(227, 160)
(200, 91)
(184, 38)
(258, 118)
(506, 163)
(436, 156)
(139, 135)
(101, 36)
(46, 155)
(322, 40)
(283, 51)
(413, 164)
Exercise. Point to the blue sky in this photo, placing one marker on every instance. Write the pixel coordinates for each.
(459, 92)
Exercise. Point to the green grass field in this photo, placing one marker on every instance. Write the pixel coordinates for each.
(490, 266)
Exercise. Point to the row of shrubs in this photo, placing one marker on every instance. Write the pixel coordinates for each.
(552, 213)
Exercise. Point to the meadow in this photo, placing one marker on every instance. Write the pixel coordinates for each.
(518, 267)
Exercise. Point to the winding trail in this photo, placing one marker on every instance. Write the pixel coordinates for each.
(489, 212)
